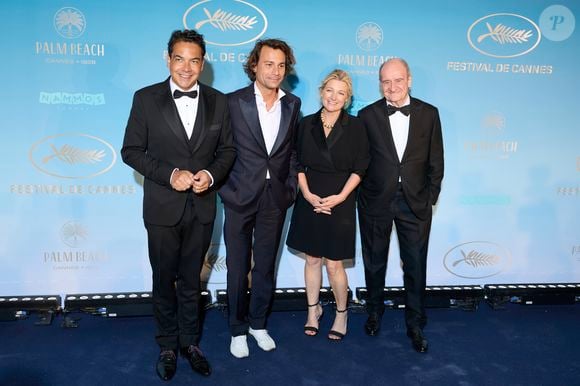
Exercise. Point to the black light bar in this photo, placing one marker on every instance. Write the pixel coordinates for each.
(117, 304)
(17, 307)
(288, 299)
(532, 293)
(452, 296)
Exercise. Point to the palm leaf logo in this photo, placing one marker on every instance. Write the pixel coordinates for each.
(227, 21)
(494, 121)
(369, 35)
(215, 262)
(503, 34)
(73, 234)
(493, 124)
(70, 19)
(477, 259)
(72, 155)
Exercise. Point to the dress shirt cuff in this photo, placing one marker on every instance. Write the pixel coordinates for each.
(171, 176)
(210, 176)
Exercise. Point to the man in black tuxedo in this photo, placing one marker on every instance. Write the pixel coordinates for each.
(259, 190)
(178, 137)
(401, 185)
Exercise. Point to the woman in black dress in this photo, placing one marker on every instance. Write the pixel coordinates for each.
(333, 153)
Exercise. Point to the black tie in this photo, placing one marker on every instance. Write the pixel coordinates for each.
(179, 94)
(405, 109)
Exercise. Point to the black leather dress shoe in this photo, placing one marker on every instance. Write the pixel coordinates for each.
(373, 324)
(167, 364)
(196, 359)
(420, 344)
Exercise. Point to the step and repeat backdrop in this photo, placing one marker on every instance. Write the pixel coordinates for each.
(504, 75)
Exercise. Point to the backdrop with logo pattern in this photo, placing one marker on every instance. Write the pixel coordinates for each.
(502, 73)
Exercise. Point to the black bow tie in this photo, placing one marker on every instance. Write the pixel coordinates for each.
(393, 109)
(179, 94)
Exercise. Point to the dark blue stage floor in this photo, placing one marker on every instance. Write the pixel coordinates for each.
(520, 345)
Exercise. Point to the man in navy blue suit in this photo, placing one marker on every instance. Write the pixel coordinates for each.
(259, 190)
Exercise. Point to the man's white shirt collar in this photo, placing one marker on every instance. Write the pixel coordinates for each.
(258, 93)
(173, 86)
(407, 101)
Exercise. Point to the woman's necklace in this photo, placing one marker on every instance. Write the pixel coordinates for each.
(325, 124)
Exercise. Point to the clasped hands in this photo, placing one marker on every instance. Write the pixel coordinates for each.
(184, 179)
(324, 205)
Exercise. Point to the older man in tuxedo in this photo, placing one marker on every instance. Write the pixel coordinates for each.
(178, 137)
(259, 190)
(401, 185)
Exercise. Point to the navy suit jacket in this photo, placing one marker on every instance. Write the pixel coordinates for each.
(421, 167)
(245, 184)
(156, 143)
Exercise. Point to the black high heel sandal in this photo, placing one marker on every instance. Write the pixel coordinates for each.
(338, 336)
(312, 328)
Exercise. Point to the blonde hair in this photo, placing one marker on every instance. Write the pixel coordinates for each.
(342, 76)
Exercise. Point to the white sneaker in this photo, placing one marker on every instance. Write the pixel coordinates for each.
(239, 346)
(265, 341)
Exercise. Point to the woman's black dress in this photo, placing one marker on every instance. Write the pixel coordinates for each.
(327, 163)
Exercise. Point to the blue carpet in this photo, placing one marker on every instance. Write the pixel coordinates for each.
(520, 345)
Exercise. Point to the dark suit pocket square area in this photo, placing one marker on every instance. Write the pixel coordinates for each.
(216, 126)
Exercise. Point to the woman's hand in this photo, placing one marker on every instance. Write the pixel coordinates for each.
(313, 199)
(329, 202)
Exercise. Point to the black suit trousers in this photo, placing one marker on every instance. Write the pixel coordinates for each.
(252, 236)
(177, 254)
(413, 236)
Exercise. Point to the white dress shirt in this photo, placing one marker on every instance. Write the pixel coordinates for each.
(269, 119)
(400, 129)
(186, 107)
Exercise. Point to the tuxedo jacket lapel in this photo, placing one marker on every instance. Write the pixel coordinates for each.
(285, 116)
(414, 127)
(337, 130)
(323, 143)
(249, 110)
(204, 117)
(317, 133)
(382, 117)
(170, 114)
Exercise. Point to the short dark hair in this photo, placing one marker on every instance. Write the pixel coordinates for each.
(276, 44)
(186, 35)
